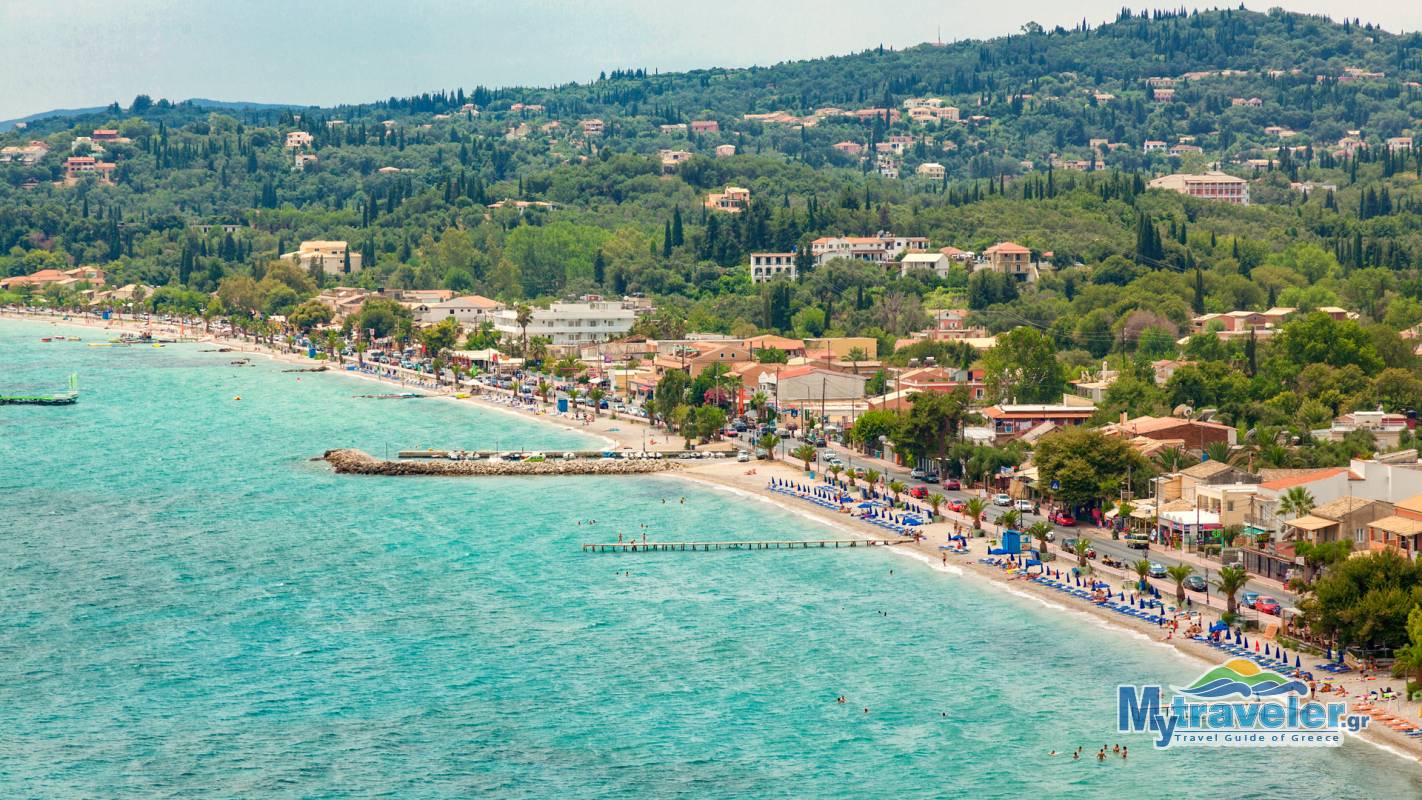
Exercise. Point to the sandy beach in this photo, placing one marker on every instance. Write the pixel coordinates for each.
(750, 480)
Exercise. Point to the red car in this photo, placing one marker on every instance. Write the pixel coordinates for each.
(1267, 605)
(1063, 519)
(952, 483)
(956, 505)
(919, 492)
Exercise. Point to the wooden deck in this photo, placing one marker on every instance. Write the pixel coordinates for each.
(797, 544)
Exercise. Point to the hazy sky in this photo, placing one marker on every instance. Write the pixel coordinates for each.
(70, 53)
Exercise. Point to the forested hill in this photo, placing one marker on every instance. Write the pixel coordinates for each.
(515, 194)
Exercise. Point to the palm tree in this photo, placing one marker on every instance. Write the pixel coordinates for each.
(1218, 451)
(974, 508)
(544, 389)
(871, 477)
(806, 453)
(1142, 569)
(568, 367)
(853, 473)
(896, 487)
(573, 398)
(1082, 545)
(934, 501)
(856, 355)
(1296, 502)
(835, 470)
(537, 349)
(758, 402)
(523, 317)
(1179, 573)
(333, 344)
(1040, 531)
(1230, 581)
(768, 443)
(1010, 519)
(1171, 459)
(596, 394)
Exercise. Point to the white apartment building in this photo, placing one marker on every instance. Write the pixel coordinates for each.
(571, 324)
(766, 267)
(879, 249)
(469, 311)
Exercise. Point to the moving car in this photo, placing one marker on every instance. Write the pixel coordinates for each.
(1001, 500)
(916, 474)
(1267, 605)
(743, 457)
(1156, 570)
(957, 505)
(930, 476)
(1025, 506)
(1138, 541)
(1195, 583)
(1248, 598)
(919, 492)
(1063, 519)
(952, 483)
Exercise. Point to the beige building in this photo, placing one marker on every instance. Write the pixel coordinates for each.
(1209, 186)
(734, 199)
(329, 256)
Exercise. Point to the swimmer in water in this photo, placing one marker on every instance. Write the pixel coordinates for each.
(1053, 753)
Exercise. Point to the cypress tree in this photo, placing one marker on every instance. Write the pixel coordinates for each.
(1199, 301)
(677, 234)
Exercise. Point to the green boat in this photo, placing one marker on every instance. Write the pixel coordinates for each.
(68, 398)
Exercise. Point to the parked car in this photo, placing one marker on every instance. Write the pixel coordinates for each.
(916, 474)
(1025, 506)
(1196, 583)
(1267, 605)
(1063, 519)
(743, 456)
(1247, 599)
(957, 505)
(952, 483)
(919, 492)
(930, 476)
(1001, 500)
(1156, 570)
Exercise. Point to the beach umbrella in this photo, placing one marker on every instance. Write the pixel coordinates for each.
(1256, 645)
(1297, 663)
(1330, 652)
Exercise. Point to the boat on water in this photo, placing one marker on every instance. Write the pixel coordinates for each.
(68, 398)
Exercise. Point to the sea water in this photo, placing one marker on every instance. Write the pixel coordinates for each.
(191, 607)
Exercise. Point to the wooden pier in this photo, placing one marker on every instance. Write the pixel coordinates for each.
(798, 544)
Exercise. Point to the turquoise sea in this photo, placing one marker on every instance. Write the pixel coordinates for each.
(190, 607)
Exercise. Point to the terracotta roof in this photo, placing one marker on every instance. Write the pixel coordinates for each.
(1300, 480)
(1342, 507)
(1206, 469)
(1311, 523)
(1402, 526)
(1007, 247)
(1413, 504)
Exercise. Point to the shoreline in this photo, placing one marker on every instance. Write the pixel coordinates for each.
(747, 480)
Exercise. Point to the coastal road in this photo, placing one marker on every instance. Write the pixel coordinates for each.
(1100, 539)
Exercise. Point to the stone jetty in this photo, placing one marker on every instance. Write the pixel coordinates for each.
(358, 462)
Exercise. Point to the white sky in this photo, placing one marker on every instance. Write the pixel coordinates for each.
(71, 53)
